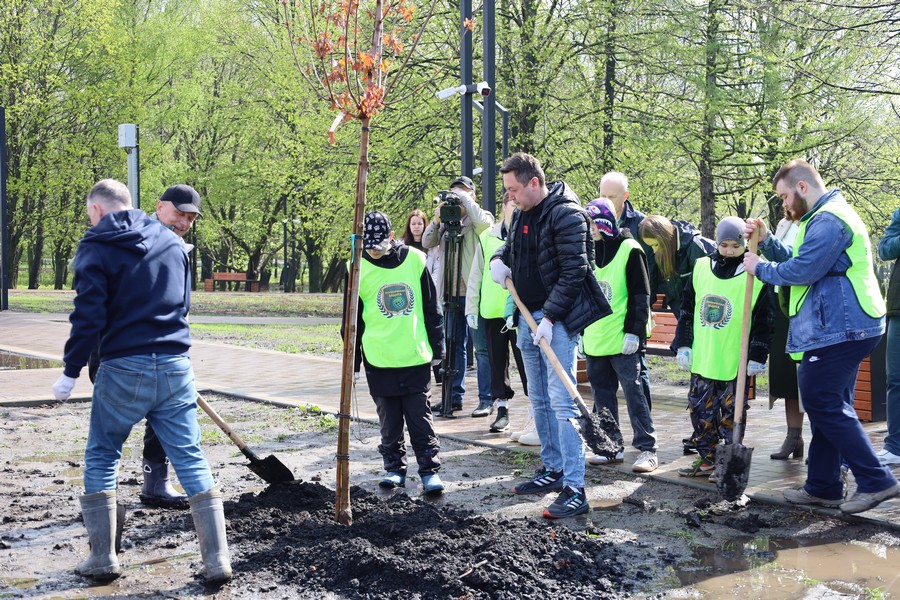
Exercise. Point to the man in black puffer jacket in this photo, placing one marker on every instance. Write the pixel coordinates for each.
(549, 255)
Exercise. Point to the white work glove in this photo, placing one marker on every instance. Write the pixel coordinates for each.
(755, 368)
(355, 376)
(630, 344)
(510, 324)
(544, 331)
(472, 321)
(62, 389)
(499, 272)
(684, 358)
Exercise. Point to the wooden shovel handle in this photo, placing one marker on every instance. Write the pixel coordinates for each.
(548, 350)
(740, 384)
(222, 424)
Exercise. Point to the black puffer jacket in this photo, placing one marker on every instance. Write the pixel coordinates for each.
(565, 260)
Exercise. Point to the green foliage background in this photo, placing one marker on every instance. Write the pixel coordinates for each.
(698, 102)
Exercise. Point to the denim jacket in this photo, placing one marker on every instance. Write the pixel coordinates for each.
(831, 313)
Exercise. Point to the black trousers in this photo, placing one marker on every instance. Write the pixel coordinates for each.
(414, 410)
(498, 343)
(153, 450)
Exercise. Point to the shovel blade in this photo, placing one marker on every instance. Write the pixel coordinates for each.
(271, 470)
(732, 470)
(602, 434)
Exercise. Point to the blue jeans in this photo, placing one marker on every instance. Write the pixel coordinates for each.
(892, 441)
(482, 361)
(605, 374)
(827, 378)
(561, 446)
(159, 387)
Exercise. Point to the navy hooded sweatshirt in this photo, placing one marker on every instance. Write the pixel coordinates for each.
(133, 291)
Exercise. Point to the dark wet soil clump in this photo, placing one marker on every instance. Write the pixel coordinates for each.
(400, 547)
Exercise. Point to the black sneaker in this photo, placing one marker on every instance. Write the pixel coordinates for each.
(546, 481)
(570, 502)
(436, 407)
(502, 421)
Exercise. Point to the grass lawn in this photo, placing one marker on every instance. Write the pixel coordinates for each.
(321, 340)
(244, 304)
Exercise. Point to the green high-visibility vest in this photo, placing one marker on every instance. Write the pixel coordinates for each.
(718, 314)
(861, 272)
(492, 303)
(605, 337)
(395, 334)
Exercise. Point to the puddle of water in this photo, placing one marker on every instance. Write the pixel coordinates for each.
(12, 361)
(778, 568)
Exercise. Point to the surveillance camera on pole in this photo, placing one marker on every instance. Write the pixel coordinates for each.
(478, 88)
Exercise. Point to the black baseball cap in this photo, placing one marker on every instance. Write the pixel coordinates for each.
(463, 181)
(184, 197)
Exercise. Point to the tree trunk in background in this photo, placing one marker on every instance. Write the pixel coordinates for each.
(334, 275)
(607, 160)
(710, 107)
(313, 253)
(35, 257)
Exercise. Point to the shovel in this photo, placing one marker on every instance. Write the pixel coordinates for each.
(269, 468)
(600, 430)
(733, 460)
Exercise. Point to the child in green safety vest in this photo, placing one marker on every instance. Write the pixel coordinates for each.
(399, 337)
(613, 345)
(708, 341)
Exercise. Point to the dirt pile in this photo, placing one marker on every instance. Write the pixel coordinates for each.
(401, 547)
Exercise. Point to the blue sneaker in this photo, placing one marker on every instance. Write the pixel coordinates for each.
(545, 481)
(571, 502)
(393, 480)
(432, 484)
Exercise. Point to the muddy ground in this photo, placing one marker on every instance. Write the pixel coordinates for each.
(642, 537)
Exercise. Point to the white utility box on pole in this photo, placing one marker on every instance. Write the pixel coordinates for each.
(129, 140)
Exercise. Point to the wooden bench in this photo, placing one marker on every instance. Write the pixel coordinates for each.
(209, 285)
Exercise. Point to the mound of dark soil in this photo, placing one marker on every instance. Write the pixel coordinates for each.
(400, 547)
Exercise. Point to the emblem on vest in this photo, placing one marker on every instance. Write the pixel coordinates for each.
(715, 311)
(395, 300)
(606, 289)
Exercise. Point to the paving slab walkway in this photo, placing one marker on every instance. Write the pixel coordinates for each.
(298, 380)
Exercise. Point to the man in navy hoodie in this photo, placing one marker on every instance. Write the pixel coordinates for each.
(133, 294)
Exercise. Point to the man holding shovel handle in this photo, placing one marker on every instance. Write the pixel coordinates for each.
(836, 316)
(548, 255)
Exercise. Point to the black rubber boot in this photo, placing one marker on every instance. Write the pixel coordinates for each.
(157, 491)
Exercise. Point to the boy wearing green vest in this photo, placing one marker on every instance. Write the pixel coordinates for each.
(399, 337)
(836, 316)
(708, 338)
(614, 344)
(485, 311)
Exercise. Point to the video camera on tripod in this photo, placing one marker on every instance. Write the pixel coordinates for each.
(451, 207)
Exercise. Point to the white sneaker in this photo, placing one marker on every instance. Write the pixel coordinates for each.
(529, 426)
(886, 457)
(646, 462)
(596, 459)
(530, 438)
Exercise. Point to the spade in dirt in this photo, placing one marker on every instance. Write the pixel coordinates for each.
(269, 468)
(599, 430)
(733, 460)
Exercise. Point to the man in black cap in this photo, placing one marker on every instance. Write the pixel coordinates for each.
(176, 209)
(474, 221)
(398, 335)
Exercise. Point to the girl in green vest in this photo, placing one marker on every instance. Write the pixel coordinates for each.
(613, 345)
(708, 341)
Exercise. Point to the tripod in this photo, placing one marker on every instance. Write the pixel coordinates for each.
(450, 303)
